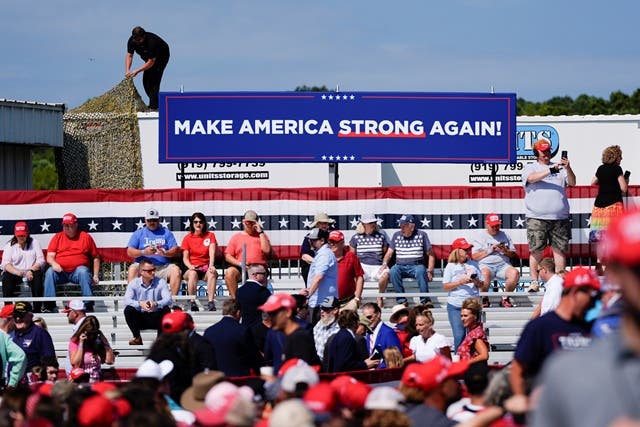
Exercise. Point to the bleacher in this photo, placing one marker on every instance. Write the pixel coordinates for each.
(503, 324)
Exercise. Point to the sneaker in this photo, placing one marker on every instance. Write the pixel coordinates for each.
(485, 302)
(506, 302)
(534, 286)
(194, 306)
(135, 341)
(211, 306)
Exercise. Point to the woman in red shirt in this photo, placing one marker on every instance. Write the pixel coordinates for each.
(198, 253)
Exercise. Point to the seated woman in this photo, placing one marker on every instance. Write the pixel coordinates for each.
(198, 253)
(475, 346)
(89, 349)
(428, 344)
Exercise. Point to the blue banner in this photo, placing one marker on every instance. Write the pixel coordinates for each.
(355, 127)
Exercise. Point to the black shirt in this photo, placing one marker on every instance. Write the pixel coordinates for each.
(609, 187)
(152, 47)
(300, 344)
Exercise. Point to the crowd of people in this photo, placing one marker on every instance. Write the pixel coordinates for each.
(265, 363)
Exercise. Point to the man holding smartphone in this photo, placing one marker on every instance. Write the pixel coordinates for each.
(258, 249)
(494, 251)
(547, 207)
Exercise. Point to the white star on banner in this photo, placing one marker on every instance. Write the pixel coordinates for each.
(140, 224)
(324, 96)
(330, 157)
(344, 96)
(353, 157)
(165, 224)
(212, 224)
(324, 157)
(472, 222)
(306, 223)
(338, 157)
(519, 222)
(448, 222)
(284, 223)
(93, 225)
(426, 223)
(352, 97)
(235, 223)
(45, 226)
(261, 222)
(379, 221)
(354, 222)
(116, 225)
(588, 221)
(330, 96)
(186, 224)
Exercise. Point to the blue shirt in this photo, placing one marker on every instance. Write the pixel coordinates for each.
(160, 237)
(324, 263)
(157, 291)
(36, 344)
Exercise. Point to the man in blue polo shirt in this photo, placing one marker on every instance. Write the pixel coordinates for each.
(157, 244)
(323, 273)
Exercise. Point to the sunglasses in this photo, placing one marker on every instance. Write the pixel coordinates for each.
(198, 222)
(148, 270)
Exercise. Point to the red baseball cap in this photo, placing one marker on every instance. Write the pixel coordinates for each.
(6, 312)
(429, 375)
(69, 218)
(176, 321)
(493, 219)
(542, 144)
(336, 236)
(96, 411)
(351, 393)
(581, 276)
(621, 241)
(461, 243)
(320, 398)
(278, 301)
(77, 374)
(20, 229)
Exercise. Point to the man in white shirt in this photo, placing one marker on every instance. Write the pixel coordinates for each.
(553, 287)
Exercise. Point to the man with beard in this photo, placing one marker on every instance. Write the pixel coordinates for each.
(611, 367)
(327, 326)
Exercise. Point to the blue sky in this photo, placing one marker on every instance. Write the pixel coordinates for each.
(68, 51)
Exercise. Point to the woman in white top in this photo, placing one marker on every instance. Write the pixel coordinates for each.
(428, 343)
(22, 262)
(461, 278)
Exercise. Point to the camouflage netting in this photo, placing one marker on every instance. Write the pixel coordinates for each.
(102, 142)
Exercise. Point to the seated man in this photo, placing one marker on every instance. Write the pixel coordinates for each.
(494, 251)
(258, 249)
(70, 254)
(147, 299)
(157, 244)
(413, 249)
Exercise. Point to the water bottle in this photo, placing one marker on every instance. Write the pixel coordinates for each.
(25, 281)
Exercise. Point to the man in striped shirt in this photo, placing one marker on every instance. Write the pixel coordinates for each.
(414, 258)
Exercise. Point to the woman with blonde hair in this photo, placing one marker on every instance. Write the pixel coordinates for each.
(612, 184)
(429, 343)
(89, 349)
(461, 278)
(475, 346)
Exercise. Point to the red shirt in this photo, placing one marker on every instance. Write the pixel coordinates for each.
(72, 253)
(254, 249)
(349, 269)
(198, 247)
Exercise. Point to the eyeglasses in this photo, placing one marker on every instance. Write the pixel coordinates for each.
(198, 222)
(148, 270)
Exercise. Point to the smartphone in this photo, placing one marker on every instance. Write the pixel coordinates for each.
(376, 355)
(627, 174)
(564, 154)
(474, 276)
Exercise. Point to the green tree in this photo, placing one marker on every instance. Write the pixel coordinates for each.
(45, 176)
